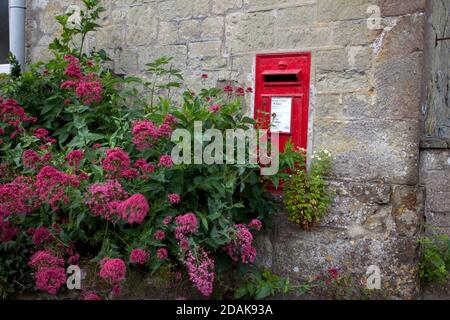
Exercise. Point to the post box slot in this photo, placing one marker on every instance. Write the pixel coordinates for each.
(287, 77)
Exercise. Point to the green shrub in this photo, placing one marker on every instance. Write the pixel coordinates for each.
(434, 265)
(305, 194)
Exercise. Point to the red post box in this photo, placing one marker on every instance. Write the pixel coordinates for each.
(282, 95)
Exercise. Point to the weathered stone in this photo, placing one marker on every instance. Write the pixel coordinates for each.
(249, 32)
(354, 33)
(168, 33)
(212, 28)
(335, 10)
(397, 82)
(408, 210)
(223, 6)
(209, 48)
(401, 7)
(309, 37)
(295, 17)
(389, 148)
(189, 30)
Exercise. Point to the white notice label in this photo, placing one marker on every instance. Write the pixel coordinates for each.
(281, 114)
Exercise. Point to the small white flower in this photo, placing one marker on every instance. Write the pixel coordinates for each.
(74, 20)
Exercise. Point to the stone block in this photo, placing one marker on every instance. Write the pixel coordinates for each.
(249, 32)
(295, 17)
(189, 30)
(335, 10)
(224, 6)
(353, 33)
(308, 37)
(401, 7)
(370, 150)
(407, 210)
(212, 28)
(200, 49)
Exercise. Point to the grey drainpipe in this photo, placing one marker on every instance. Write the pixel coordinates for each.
(17, 30)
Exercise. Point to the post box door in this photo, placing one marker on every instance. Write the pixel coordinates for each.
(282, 95)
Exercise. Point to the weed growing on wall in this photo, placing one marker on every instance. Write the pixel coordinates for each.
(307, 198)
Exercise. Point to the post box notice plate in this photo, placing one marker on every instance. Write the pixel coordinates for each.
(281, 109)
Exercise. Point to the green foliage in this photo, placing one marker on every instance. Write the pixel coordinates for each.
(221, 196)
(305, 194)
(261, 285)
(434, 265)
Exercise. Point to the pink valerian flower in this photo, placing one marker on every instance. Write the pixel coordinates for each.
(167, 220)
(170, 119)
(333, 273)
(239, 91)
(73, 68)
(139, 256)
(249, 89)
(145, 134)
(174, 198)
(74, 259)
(162, 253)
(103, 198)
(145, 168)
(74, 158)
(214, 108)
(116, 161)
(184, 244)
(186, 225)
(32, 160)
(92, 296)
(165, 130)
(113, 270)
(160, 235)
(243, 246)
(43, 259)
(165, 161)
(19, 196)
(43, 135)
(41, 235)
(89, 91)
(7, 230)
(134, 209)
(13, 116)
(228, 89)
(51, 185)
(255, 224)
(116, 290)
(201, 271)
(129, 174)
(204, 76)
(50, 279)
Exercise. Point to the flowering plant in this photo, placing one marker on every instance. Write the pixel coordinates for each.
(86, 170)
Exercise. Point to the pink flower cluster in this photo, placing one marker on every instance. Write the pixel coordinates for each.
(74, 158)
(116, 162)
(139, 256)
(50, 274)
(113, 270)
(214, 108)
(32, 160)
(160, 235)
(255, 224)
(13, 116)
(134, 209)
(243, 245)
(162, 253)
(7, 230)
(165, 161)
(87, 87)
(146, 133)
(144, 167)
(174, 198)
(186, 225)
(44, 135)
(41, 235)
(51, 186)
(103, 198)
(201, 271)
(18, 196)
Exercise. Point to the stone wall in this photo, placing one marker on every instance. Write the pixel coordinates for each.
(365, 108)
(435, 151)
